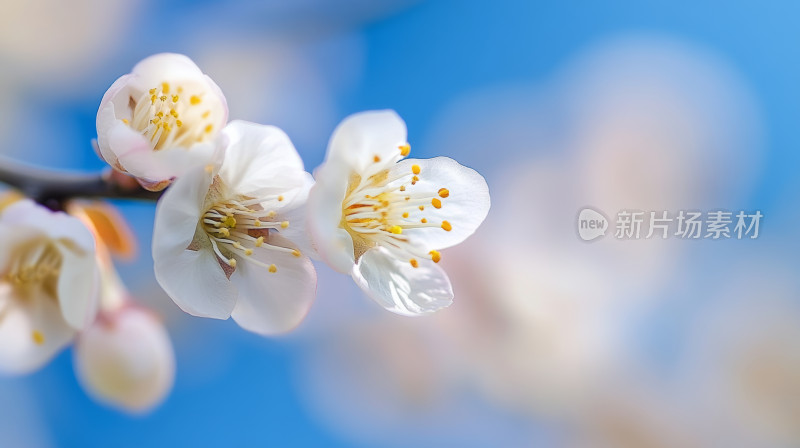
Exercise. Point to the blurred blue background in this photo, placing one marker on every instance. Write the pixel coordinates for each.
(661, 105)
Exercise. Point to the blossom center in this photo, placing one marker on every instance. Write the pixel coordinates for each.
(35, 265)
(238, 226)
(173, 117)
(379, 206)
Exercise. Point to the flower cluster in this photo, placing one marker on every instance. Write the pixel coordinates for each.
(236, 229)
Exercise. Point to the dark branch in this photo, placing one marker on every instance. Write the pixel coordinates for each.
(52, 188)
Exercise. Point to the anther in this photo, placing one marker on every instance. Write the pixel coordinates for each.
(376, 159)
(232, 262)
(259, 241)
(38, 337)
(405, 214)
(444, 192)
(415, 169)
(446, 226)
(284, 224)
(414, 262)
(296, 253)
(436, 203)
(405, 149)
(435, 256)
(273, 268)
(396, 230)
(194, 100)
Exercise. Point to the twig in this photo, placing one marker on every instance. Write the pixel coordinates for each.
(52, 188)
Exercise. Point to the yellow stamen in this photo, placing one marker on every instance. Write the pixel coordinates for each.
(436, 203)
(285, 224)
(296, 253)
(232, 262)
(435, 256)
(259, 241)
(194, 100)
(165, 87)
(273, 268)
(396, 230)
(414, 262)
(446, 226)
(415, 169)
(209, 128)
(376, 159)
(38, 337)
(405, 149)
(444, 192)
(405, 214)
(423, 220)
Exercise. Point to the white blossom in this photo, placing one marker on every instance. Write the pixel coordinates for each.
(48, 284)
(383, 220)
(228, 237)
(160, 119)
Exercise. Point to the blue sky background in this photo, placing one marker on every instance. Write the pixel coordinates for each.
(419, 58)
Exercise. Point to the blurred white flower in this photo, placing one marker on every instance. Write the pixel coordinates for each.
(226, 239)
(126, 359)
(160, 119)
(48, 284)
(383, 221)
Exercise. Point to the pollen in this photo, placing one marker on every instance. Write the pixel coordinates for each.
(38, 337)
(405, 150)
(296, 253)
(422, 207)
(194, 100)
(435, 256)
(280, 198)
(125, 120)
(436, 203)
(259, 241)
(175, 98)
(415, 169)
(405, 214)
(248, 252)
(402, 188)
(444, 192)
(165, 87)
(446, 226)
(229, 221)
(273, 268)
(209, 128)
(257, 223)
(397, 230)
(232, 262)
(414, 262)
(423, 220)
(285, 224)
(376, 159)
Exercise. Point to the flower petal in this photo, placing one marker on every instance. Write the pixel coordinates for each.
(465, 206)
(178, 212)
(362, 137)
(161, 67)
(138, 158)
(55, 225)
(78, 286)
(259, 157)
(333, 244)
(400, 287)
(271, 303)
(192, 278)
(32, 330)
(196, 283)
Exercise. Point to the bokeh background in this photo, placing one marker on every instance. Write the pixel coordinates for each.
(553, 342)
